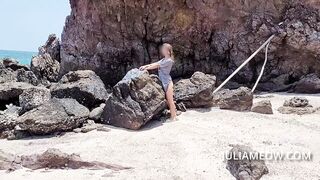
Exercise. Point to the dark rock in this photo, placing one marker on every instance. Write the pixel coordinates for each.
(52, 47)
(9, 92)
(96, 113)
(135, 100)
(13, 64)
(196, 91)
(44, 67)
(262, 107)
(240, 99)
(27, 76)
(84, 86)
(7, 75)
(34, 97)
(51, 159)
(56, 115)
(308, 84)
(297, 105)
(242, 167)
(213, 37)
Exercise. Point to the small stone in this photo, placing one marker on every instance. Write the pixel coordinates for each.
(262, 107)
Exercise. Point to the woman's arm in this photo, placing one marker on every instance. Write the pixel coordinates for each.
(155, 65)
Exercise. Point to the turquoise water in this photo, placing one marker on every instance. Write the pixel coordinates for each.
(23, 57)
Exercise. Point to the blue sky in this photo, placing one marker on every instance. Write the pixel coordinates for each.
(26, 24)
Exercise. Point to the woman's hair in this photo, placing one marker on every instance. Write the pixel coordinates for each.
(170, 49)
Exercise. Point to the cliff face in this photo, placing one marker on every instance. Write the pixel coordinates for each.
(212, 36)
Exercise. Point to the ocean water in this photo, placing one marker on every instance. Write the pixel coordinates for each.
(23, 57)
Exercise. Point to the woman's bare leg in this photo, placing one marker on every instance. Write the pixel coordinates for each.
(169, 96)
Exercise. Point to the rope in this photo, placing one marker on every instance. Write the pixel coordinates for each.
(246, 62)
(262, 68)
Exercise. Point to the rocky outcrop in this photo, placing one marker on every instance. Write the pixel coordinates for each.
(51, 47)
(51, 159)
(196, 91)
(240, 99)
(56, 115)
(27, 76)
(214, 37)
(308, 84)
(262, 107)
(242, 166)
(135, 100)
(297, 105)
(45, 68)
(84, 86)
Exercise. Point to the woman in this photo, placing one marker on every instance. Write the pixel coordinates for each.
(164, 67)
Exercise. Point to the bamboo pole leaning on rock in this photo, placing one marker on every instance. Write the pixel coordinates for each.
(246, 62)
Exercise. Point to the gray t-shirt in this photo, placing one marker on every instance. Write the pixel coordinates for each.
(164, 71)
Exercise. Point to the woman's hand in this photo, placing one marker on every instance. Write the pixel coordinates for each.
(142, 68)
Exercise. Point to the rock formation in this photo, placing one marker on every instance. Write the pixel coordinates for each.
(196, 91)
(262, 107)
(51, 47)
(240, 99)
(214, 37)
(84, 86)
(135, 100)
(46, 65)
(45, 68)
(242, 166)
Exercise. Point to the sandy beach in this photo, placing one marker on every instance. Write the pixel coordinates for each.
(191, 148)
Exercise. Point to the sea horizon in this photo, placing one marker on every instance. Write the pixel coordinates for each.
(24, 57)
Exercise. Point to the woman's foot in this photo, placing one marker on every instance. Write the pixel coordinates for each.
(174, 119)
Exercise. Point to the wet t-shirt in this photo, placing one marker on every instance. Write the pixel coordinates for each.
(165, 66)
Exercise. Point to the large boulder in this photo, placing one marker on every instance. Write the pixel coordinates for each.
(240, 99)
(135, 100)
(196, 91)
(51, 47)
(262, 107)
(242, 166)
(34, 97)
(45, 68)
(83, 85)
(308, 84)
(56, 115)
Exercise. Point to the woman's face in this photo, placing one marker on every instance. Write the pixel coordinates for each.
(164, 51)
